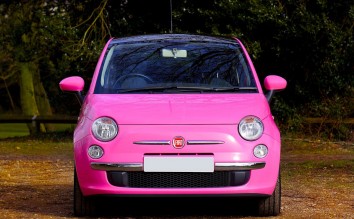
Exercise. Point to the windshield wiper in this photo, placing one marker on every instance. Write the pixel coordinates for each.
(235, 88)
(216, 89)
(158, 88)
(185, 89)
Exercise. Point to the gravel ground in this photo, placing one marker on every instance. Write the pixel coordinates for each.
(34, 186)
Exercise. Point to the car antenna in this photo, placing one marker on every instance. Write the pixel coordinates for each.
(171, 30)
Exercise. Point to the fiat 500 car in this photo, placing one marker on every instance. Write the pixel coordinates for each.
(176, 115)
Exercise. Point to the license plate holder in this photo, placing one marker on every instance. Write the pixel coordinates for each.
(178, 164)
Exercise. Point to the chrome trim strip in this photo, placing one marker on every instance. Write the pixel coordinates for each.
(168, 142)
(117, 166)
(198, 142)
(153, 142)
(239, 166)
(140, 166)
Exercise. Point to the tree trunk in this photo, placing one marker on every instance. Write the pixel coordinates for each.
(27, 93)
(42, 100)
(9, 95)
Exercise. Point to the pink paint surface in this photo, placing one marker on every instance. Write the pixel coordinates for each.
(162, 117)
(74, 83)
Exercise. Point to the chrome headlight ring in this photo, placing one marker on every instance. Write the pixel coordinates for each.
(104, 129)
(250, 128)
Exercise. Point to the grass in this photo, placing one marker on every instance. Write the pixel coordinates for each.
(310, 155)
(300, 146)
(298, 155)
(9, 130)
(305, 161)
(52, 144)
(13, 130)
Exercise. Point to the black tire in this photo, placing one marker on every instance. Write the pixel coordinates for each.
(83, 206)
(270, 206)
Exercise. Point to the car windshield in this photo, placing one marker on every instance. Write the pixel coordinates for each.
(175, 67)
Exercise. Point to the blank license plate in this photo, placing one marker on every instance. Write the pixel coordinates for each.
(178, 164)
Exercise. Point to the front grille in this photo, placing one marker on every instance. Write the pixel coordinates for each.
(178, 180)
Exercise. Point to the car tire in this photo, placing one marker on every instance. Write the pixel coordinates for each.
(270, 206)
(83, 206)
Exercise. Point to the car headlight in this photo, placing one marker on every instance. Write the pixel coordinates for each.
(104, 129)
(250, 128)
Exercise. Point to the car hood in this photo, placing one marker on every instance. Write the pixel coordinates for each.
(175, 108)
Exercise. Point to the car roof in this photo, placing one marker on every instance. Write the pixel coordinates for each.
(173, 37)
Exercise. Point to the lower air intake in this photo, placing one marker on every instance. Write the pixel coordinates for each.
(178, 180)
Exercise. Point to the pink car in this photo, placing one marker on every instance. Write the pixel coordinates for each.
(176, 115)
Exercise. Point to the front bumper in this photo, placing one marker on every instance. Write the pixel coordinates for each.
(133, 176)
(125, 156)
(127, 167)
(238, 179)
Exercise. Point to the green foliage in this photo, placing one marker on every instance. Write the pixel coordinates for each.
(41, 32)
(335, 108)
(33, 32)
(309, 43)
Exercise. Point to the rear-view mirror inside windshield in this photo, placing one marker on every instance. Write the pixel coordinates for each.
(175, 53)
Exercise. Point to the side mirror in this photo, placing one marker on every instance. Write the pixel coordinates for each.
(73, 84)
(274, 83)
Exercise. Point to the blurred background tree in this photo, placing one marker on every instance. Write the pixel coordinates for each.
(32, 35)
(310, 43)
